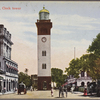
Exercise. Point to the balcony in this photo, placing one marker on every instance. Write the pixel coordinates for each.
(84, 78)
(43, 20)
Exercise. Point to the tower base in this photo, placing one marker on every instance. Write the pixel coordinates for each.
(44, 83)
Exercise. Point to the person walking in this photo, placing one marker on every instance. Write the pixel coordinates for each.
(66, 91)
(31, 88)
(91, 89)
(85, 92)
(52, 92)
(60, 90)
(72, 88)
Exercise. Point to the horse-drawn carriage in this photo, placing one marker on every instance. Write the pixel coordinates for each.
(22, 88)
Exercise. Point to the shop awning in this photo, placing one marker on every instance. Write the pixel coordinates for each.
(7, 65)
(65, 84)
(12, 67)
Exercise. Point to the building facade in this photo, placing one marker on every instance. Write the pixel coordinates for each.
(44, 50)
(83, 80)
(8, 68)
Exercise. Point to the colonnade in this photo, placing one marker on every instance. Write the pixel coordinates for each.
(8, 85)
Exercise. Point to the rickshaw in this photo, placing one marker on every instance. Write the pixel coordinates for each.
(22, 88)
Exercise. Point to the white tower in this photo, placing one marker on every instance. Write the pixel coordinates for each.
(44, 50)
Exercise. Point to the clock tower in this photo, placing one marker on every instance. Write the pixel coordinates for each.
(44, 26)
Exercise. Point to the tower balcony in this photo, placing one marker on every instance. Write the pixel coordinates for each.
(44, 20)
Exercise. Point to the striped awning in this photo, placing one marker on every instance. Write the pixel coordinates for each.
(65, 84)
(8, 66)
(12, 67)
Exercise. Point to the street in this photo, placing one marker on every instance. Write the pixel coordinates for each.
(46, 95)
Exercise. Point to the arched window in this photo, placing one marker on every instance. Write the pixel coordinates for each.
(88, 83)
(82, 83)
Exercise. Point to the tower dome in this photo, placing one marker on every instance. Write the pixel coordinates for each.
(44, 14)
(44, 10)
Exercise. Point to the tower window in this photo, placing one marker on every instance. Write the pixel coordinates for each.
(43, 66)
(43, 53)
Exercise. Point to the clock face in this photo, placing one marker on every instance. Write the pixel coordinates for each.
(43, 39)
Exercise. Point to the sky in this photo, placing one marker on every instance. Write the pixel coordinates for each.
(75, 25)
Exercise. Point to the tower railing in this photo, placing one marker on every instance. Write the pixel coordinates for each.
(43, 20)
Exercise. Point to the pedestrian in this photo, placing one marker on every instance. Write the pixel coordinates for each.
(52, 92)
(66, 91)
(72, 88)
(60, 90)
(31, 88)
(91, 89)
(14, 90)
(85, 92)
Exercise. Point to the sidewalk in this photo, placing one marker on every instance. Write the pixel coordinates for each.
(46, 95)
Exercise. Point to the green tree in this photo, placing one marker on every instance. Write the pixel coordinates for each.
(22, 77)
(88, 63)
(74, 68)
(95, 49)
(95, 46)
(57, 76)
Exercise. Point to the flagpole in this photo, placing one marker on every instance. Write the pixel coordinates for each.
(74, 52)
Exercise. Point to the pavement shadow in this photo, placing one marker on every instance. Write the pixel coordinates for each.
(77, 93)
(91, 96)
(60, 97)
(20, 94)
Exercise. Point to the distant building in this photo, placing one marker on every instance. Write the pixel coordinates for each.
(34, 80)
(83, 80)
(8, 68)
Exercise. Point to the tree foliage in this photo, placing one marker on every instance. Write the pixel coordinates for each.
(73, 68)
(25, 78)
(95, 49)
(88, 63)
(57, 76)
(95, 46)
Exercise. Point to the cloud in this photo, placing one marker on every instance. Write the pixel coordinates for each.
(60, 31)
(75, 21)
(71, 43)
(24, 53)
(19, 28)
